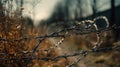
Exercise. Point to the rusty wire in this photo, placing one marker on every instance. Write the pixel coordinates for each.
(76, 29)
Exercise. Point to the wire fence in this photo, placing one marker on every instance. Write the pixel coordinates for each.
(79, 28)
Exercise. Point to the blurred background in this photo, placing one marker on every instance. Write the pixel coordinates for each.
(65, 12)
(42, 10)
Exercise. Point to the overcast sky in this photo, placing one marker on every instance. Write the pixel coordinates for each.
(40, 9)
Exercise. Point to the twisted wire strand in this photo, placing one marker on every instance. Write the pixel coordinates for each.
(63, 36)
(98, 42)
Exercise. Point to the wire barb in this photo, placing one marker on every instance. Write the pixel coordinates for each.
(80, 28)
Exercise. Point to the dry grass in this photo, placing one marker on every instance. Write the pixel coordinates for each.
(16, 27)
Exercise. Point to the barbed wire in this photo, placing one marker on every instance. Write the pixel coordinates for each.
(84, 53)
(80, 28)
